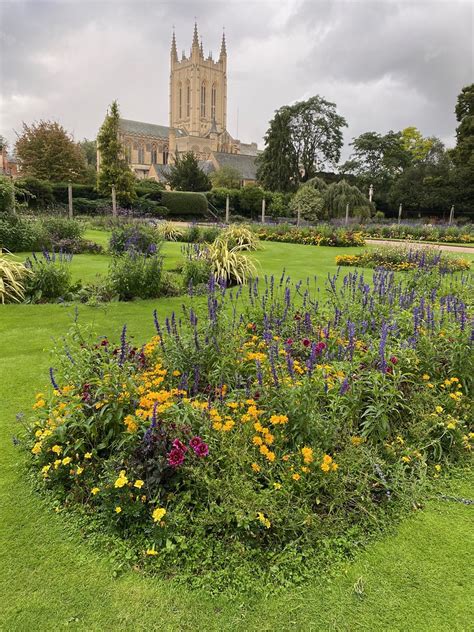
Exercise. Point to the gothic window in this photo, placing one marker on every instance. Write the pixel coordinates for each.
(128, 153)
(180, 101)
(188, 100)
(213, 101)
(203, 99)
(154, 155)
(141, 154)
(165, 156)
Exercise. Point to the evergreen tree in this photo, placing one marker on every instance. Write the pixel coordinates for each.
(113, 168)
(463, 154)
(45, 150)
(276, 166)
(186, 175)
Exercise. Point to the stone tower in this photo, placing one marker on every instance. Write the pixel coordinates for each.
(198, 90)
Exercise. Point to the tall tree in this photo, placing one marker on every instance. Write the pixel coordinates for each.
(277, 167)
(45, 150)
(113, 168)
(302, 139)
(89, 149)
(186, 174)
(463, 154)
(227, 177)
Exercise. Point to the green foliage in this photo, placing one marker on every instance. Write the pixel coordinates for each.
(251, 198)
(318, 184)
(322, 235)
(150, 189)
(18, 234)
(168, 231)
(186, 175)
(463, 154)
(405, 259)
(302, 138)
(49, 278)
(46, 151)
(414, 143)
(136, 275)
(339, 194)
(34, 193)
(113, 168)
(309, 202)
(137, 237)
(196, 271)
(229, 263)
(217, 197)
(7, 195)
(12, 275)
(227, 178)
(181, 204)
(62, 228)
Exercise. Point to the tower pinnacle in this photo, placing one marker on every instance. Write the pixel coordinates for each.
(223, 46)
(195, 37)
(174, 51)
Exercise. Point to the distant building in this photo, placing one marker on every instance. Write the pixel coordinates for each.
(8, 164)
(197, 123)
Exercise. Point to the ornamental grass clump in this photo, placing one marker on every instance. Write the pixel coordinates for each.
(12, 275)
(265, 432)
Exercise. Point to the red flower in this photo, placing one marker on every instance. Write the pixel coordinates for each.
(195, 442)
(202, 450)
(394, 360)
(306, 342)
(175, 458)
(178, 445)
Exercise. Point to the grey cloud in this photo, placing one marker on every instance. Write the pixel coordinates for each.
(386, 64)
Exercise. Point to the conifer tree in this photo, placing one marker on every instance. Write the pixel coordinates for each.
(186, 175)
(113, 168)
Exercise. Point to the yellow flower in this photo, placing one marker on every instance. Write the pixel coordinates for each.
(451, 426)
(425, 377)
(437, 467)
(296, 477)
(256, 467)
(66, 460)
(57, 449)
(305, 469)
(151, 552)
(122, 480)
(57, 463)
(158, 514)
(95, 490)
(406, 459)
(79, 470)
(285, 457)
(36, 449)
(118, 510)
(307, 454)
(265, 521)
(278, 419)
(356, 440)
(138, 483)
(263, 449)
(257, 440)
(88, 455)
(439, 409)
(277, 485)
(270, 456)
(325, 467)
(176, 373)
(39, 404)
(131, 424)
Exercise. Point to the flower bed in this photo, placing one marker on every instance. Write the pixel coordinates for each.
(319, 236)
(266, 434)
(402, 259)
(444, 234)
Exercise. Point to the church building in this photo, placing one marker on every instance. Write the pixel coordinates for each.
(197, 121)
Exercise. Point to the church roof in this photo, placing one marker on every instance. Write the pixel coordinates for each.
(147, 129)
(244, 164)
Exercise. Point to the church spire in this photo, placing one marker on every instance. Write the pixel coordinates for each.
(223, 46)
(174, 50)
(202, 49)
(195, 37)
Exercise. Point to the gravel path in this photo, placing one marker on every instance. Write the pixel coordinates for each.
(388, 242)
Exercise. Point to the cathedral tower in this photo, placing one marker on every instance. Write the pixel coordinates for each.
(198, 90)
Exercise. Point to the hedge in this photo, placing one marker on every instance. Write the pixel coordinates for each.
(82, 191)
(181, 203)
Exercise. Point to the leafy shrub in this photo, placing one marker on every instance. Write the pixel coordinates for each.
(81, 191)
(149, 189)
(251, 200)
(36, 194)
(78, 246)
(7, 195)
(251, 436)
(49, 278)
(136, 275)
(309, 202)
(180, 203)
(57, 228)
(209, 233)
(91, 207)
(137, 237)
(462, 235)
(197, 268)
(12, 275)
(19, 235)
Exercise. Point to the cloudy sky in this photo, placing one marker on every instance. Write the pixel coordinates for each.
(386, 64)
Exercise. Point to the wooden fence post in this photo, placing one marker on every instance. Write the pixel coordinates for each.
(298, 217)
(263, 211)
(451, 215)
(347, 214)
(69, 199)
(400, 213)
(114, 201)
(227, 209)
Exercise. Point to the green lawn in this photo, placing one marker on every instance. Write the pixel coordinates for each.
(417, 578)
